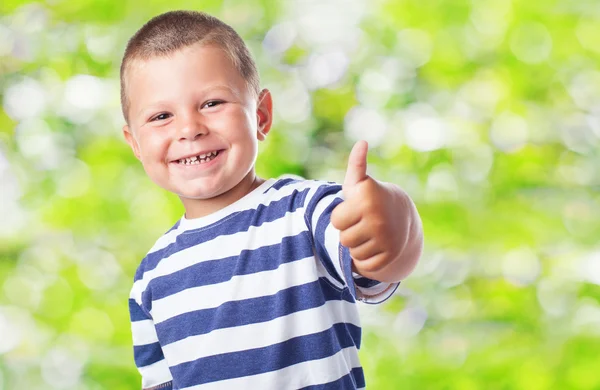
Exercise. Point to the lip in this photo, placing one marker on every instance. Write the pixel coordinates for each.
(191, 170)
(176, 161)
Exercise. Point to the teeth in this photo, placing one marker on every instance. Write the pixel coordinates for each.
(200, 159)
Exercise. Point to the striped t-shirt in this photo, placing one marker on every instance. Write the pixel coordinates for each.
(259, 295)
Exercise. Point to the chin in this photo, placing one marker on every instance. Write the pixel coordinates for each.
(201, 194)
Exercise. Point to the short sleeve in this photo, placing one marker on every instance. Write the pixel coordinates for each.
(147, 352)
(335, 257)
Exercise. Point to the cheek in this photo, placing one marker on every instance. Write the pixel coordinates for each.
(239, 119)
(151, 146)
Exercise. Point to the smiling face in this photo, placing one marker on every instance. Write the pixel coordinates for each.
(195, 126)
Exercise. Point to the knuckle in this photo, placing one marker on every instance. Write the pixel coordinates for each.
(361, 253)
(369, 266)
(334, 221)
(336, 217)
(344, 239)
(356, 254)
(374, 266)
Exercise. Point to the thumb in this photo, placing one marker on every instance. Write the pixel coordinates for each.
(357, 165)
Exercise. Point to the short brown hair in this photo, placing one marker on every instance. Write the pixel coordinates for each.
(172, 31)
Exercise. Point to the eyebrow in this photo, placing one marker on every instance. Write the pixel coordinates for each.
(223, 86)
(204, 91)
(144, 111)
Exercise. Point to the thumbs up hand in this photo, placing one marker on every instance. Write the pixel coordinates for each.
(377, 222)
(357, 168)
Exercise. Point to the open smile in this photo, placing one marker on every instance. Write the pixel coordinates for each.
(199, 159)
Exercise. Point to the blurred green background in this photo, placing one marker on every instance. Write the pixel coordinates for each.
(487, 112)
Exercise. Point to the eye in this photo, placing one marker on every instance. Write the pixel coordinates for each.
(160, 117)
(212, 103)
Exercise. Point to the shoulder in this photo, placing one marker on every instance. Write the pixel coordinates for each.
(294, 192)
(149, 268)
(313, 196)
(158, 251)
(290, 183)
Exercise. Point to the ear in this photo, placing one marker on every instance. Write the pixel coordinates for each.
(131, 141)
(264, 114)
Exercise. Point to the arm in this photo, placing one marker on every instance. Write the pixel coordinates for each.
(378, 222)
(148, 354)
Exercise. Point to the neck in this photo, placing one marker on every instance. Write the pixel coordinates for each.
(197, 208)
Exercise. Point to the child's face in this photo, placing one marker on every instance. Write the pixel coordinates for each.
(193, 123)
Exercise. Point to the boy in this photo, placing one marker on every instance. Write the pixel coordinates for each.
(255, 287)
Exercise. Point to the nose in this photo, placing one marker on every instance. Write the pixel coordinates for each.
(192, 126)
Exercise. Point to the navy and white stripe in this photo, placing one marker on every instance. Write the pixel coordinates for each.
(257, 295)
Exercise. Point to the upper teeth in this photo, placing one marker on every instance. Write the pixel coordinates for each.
(198, 159)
